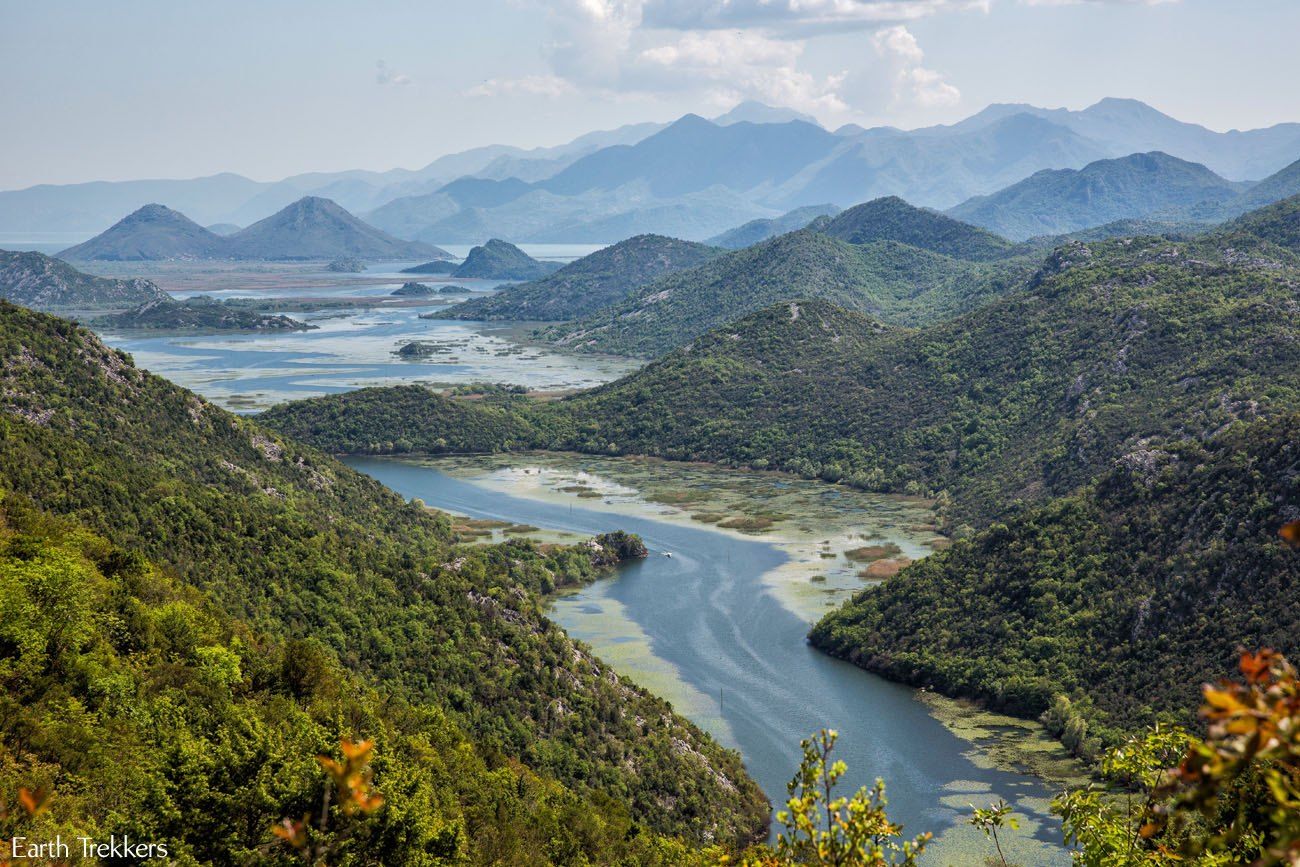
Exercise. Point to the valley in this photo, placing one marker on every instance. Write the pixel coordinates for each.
(714, 620)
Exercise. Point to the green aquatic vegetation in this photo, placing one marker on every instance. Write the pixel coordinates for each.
(872, 552)
(748, 523)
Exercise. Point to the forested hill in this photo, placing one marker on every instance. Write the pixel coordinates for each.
(1113, 346)
(1057, 201)
(892, 219)
(588, 284)
(888, 279)
(1124, 598)
(318, 573)
(1032, 394)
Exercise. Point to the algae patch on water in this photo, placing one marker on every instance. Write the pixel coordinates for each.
(1006, 742)
(828, 531)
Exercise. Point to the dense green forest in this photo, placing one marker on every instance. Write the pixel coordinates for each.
(1112, 348)
(889, 279)
(326, 575)
(588, 284)
(892, 219)
(1122, 598)
(142, 709)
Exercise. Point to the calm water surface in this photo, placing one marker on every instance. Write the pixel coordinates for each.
(353, 347)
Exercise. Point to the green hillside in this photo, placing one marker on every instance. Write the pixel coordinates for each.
(891, 280)
(1114, 347)
(1034, 393)
(306, 560)
(892, 219)
(1123, 598)
(588, 284)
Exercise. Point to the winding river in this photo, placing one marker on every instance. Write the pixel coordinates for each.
(702, 628)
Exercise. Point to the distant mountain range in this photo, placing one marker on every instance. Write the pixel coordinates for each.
(309, 229)
(693, 178)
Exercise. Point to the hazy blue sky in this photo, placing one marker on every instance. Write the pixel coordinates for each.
(165, 88)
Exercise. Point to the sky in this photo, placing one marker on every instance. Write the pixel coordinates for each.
(98, 90)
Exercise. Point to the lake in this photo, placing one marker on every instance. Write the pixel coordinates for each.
(352, 347)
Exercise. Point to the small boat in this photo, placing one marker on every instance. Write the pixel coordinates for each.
(668, 553)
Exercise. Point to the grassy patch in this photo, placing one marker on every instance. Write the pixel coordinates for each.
(867, 553)
(748, 523)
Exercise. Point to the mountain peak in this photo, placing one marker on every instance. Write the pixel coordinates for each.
(752, 111)
(152, 231)
(892, 219)
(318, 228)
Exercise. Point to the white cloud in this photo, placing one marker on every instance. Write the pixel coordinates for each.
(386, 75)
(732, 65)
(532, 85)
(913, 83)
(796, 17)
(724, 51)
(1098, 2)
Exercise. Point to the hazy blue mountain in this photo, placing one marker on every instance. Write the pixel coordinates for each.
(936, 170)
(774, 166)
(892, 219)
(152, 232)
(45, 283)
(223, 229)
(1056, 201)
(1280, 185)
(588, 284)
(315, 228)
(751, 111)
(597, 216)
(93, 206)
(762, 229)
(483, 192)
(501, 260)
(693, 154)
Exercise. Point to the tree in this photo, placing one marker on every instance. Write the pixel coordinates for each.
(828, 831)
(990, 819)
